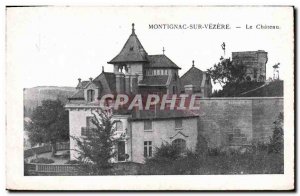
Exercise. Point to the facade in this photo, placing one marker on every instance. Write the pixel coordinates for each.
(255, 62)
(136, 72)
(223, 122)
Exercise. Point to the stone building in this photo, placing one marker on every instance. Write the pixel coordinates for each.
(255, 62)
(223, 122)
(137, 72)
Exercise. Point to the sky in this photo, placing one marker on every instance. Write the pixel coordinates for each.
(54, 46)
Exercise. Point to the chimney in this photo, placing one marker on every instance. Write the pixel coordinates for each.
(79, 83)
(91, 79)
(102, 69)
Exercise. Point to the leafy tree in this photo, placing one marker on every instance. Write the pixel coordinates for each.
(276, 141)
(227, 72)
(49, 124)
(96, 150)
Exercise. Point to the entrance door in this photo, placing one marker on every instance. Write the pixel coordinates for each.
(121, 151)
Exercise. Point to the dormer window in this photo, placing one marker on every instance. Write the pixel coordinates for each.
(90, 95)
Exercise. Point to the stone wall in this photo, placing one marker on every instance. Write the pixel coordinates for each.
(238, 121)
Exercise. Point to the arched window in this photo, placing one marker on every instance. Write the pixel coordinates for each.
(180, 144)
(90, 95)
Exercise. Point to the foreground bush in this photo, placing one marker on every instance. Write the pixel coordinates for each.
(256, 160)
(42, 160)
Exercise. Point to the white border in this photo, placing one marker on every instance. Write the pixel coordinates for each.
(240, 182)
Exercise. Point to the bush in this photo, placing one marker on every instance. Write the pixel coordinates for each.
(276, 142)
(42, 160)
(165, 153)
(72, 162)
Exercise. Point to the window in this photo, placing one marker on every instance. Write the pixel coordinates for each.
(255, 73)
(147, 149)
(90, 127)
(178, 124)
(89, 122)
(180, 144)
(90, 95)
(148, 125)
(174, 89)
(236, 138)
(119, 126)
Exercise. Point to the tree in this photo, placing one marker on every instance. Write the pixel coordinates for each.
(276, 141)
(96, 150)
(49, 124)
(227, 72)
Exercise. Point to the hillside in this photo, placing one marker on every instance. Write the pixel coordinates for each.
(252, 89)
(33, 97)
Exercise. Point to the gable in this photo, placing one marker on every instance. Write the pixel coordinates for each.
(193, 76)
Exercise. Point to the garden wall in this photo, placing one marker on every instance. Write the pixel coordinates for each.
(238, 121)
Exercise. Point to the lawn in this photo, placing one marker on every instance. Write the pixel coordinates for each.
(262, 163)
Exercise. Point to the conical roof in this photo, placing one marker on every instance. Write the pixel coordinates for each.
(132, 51)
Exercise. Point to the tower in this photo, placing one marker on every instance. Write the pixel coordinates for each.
(128, 64)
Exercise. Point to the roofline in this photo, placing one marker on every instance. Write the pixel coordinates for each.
(70, 98)
(163, 67)
(119, 62)
(161, 85)
(161, 118)
(254, 51)
(190, 69)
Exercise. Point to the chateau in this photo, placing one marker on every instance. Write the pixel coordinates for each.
(255, 62)
(137, 72)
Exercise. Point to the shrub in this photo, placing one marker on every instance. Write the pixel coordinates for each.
(276, 141)
(42, 160)
(72, 162)
(165, 153)
(202, 145)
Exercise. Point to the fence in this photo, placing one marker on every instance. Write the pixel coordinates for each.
(46, 148)
(66, 168)
(31, 167)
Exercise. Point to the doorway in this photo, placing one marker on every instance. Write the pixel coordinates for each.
(121, 151)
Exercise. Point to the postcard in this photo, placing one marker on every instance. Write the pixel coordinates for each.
(150, 98)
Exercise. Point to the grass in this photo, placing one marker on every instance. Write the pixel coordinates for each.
(261, 163)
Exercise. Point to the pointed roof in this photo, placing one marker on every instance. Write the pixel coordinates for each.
(107, 82)
(132, 51)
(192, 76)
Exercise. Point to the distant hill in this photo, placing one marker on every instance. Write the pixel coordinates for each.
(33, 97)
(252, 89)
